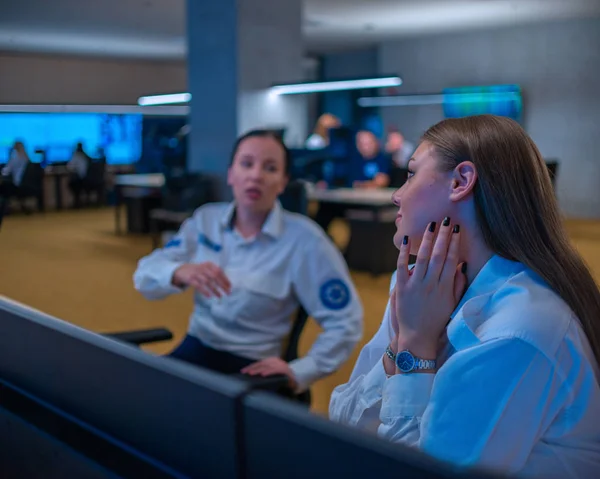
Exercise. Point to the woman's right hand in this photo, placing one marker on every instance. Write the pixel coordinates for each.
(206, 278)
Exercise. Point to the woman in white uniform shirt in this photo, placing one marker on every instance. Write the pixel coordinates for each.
(488, 353)
(252, 264)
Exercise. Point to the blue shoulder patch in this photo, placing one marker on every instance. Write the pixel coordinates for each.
(173, 243)
(204, 240)
(335, 294)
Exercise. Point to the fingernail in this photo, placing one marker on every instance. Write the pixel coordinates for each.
(456, 229)
(446, 221)
(464, 268)
(432, 226)
(405, 240)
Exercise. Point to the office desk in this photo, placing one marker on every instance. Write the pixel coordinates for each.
(142, 193)
(371, 216)
(375, 198)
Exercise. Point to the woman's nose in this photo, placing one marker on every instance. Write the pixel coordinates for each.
(396, 197)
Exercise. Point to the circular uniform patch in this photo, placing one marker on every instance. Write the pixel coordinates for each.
(335, 294)
(371, 169)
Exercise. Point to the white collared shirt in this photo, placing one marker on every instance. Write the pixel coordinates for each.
(79, 163)
(517, 389)
(15, 167)
(291, 262)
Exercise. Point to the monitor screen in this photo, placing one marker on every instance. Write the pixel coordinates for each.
(117, 136)
(502, 100)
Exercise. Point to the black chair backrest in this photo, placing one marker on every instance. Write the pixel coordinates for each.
(33, 178)
(295, 197)
(291, 350)
(185, 193)
(95, 172)
(3, 203)
(398, 176)
(552, 165)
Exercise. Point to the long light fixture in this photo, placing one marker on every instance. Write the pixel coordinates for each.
(164, 99)
(168, 110)
(336, 85)
(435, 99)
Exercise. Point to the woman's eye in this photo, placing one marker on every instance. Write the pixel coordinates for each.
(409, 174)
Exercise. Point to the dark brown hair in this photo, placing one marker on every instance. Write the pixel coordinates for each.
(517, 209)
(287, 156)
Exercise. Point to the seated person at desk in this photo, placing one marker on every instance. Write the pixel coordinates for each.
(14, 170)
(368, 168)
(320, 137)
(400, 149)
(252, 265)
(488, 353)
(79, 164)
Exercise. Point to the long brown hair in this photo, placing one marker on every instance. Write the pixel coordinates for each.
(516, 207)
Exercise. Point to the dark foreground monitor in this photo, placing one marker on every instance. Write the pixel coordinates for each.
(283, 440)
(76, 404)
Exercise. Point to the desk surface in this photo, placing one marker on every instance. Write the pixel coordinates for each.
(378, 197)
(152, 180)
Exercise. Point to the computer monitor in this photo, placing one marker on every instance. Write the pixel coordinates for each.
(169, 418)
(282, 439)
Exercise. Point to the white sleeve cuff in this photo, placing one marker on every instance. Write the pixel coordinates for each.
(305, 371)
(165, 280)
(406, 395)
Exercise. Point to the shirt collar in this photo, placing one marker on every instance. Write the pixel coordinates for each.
(273, 226)
(466, 317)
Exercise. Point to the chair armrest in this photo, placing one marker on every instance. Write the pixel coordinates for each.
(142, 336)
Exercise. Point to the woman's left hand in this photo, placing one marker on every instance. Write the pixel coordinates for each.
(427, 295)
(271, 367)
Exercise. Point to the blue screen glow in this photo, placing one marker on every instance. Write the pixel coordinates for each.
(120, 136)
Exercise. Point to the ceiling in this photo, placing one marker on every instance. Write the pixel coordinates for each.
(155, 29)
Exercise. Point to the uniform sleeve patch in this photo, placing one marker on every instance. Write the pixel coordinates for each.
(173, 243)
(335, 294)
(204, 240)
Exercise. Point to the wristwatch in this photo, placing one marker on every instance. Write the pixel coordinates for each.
(406, 362)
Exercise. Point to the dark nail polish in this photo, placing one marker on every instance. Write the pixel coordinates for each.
(456, 229)
(464, 268)
(432, 226)
(446, 221)
(405, 240)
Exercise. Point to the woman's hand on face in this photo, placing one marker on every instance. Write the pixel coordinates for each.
(426, 296)
(206, 278)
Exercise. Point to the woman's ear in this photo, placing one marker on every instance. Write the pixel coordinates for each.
(464, 178)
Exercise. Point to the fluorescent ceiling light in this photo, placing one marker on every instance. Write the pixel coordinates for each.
(338, 85)
(436, 99)
(405, 100)
(164, 99)
(179, 110)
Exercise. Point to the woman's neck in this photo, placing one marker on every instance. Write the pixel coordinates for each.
(249, 223)
(475, 252)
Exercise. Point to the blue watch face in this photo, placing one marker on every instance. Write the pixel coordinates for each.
(405, 361)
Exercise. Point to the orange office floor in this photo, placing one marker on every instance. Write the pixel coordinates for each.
(72, 265)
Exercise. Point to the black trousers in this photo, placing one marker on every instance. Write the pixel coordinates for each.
(193, 351)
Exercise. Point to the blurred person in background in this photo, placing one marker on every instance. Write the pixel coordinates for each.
(400, 149)
(12, 173)
(320, 137)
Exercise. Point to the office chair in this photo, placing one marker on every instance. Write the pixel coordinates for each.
(3, 205)
(181, 195)
(552, 165)
(294, 199)
(32, 186)
(398, 176)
